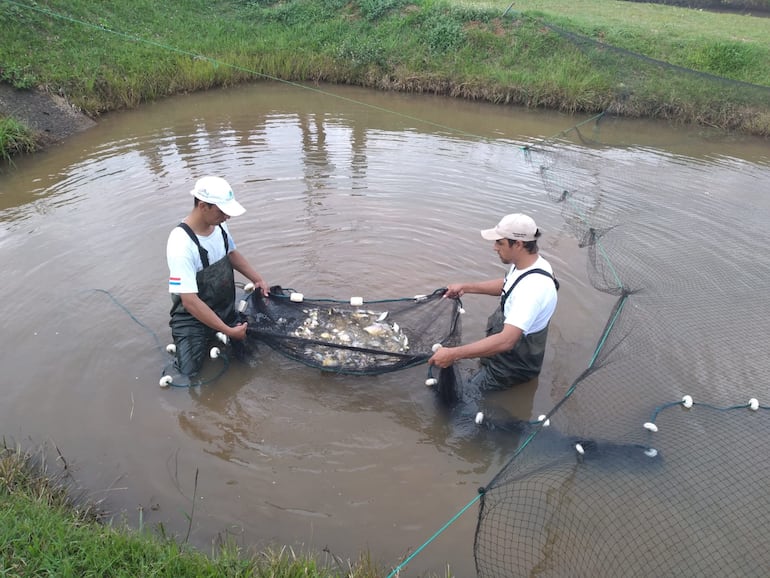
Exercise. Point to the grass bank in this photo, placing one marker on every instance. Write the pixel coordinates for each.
(627, 58)
(46, 530)
(15, 138)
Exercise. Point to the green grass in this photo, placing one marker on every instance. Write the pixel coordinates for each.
(15, 138)
(730, 45)
(106, 57)
(47, 531)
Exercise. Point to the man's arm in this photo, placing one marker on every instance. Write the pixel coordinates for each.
(486, 347)
(240, 264)
(203, 313)
(491, 287)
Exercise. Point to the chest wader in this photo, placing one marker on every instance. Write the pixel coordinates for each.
(216, 288)
(519, 364)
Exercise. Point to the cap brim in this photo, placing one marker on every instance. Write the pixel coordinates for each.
(491, 234)
(231, 208)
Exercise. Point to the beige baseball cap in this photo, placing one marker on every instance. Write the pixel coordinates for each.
(517, 226)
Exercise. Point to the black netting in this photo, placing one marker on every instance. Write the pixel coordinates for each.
(352, 337)
(654, 462)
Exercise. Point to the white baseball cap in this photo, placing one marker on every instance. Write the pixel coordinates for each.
(516, 226)
(217, 191)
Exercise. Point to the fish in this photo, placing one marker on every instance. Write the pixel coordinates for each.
(377, 329)
(341, 329)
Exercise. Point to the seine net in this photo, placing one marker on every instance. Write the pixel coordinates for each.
(655, 461)
(353, 337)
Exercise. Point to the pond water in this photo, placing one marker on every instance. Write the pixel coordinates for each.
(348, 192)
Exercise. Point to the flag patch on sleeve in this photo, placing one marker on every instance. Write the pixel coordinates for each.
(174, 281)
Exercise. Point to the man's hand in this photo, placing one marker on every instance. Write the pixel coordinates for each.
(238, 332)
(455, 291)
(444, 357)
(262, 285)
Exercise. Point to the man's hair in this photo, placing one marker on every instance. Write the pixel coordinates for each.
(529, 246)
(197, 201)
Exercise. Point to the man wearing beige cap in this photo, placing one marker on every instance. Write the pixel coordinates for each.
(201, 257)
(513, 350)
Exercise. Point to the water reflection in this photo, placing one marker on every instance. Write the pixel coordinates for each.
(239, 420)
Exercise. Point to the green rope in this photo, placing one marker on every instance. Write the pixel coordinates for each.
(164, 372)
(606, 333)
(398, 568)
(216, 62)
(131, 315)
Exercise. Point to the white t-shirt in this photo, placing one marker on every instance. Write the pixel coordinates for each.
(532, 303)
(184, 259)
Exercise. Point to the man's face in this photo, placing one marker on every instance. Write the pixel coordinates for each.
(214, 215)
(504, 251)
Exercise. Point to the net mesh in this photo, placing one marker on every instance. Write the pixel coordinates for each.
(654, 462)
(644, 86)
(352, 337)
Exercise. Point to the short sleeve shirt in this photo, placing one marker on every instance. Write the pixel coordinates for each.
(532, 303)
(184, 260)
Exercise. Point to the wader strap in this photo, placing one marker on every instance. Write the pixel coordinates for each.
(203, 253)
(506, 294)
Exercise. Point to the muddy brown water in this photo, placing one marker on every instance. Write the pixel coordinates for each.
(348, 192)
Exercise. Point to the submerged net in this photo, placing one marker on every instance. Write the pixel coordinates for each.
(654, 462)
(352, 337)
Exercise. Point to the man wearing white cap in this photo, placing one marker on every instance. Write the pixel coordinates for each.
(201, 257)
(513, 350)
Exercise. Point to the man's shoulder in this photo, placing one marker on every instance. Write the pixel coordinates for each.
(179, 240)
(175, 229)
(543, 263)
(540, 265)
(539, 277)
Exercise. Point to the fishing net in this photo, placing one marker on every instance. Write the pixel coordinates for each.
(654, 461)
(673, 90)
(354, 337)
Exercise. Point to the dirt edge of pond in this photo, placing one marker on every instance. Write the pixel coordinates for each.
(49, 116)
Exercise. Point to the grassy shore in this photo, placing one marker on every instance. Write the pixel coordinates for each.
(630, 59)
(15, 138)
(46, 530)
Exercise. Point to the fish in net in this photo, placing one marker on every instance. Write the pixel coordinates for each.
(353, 336)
